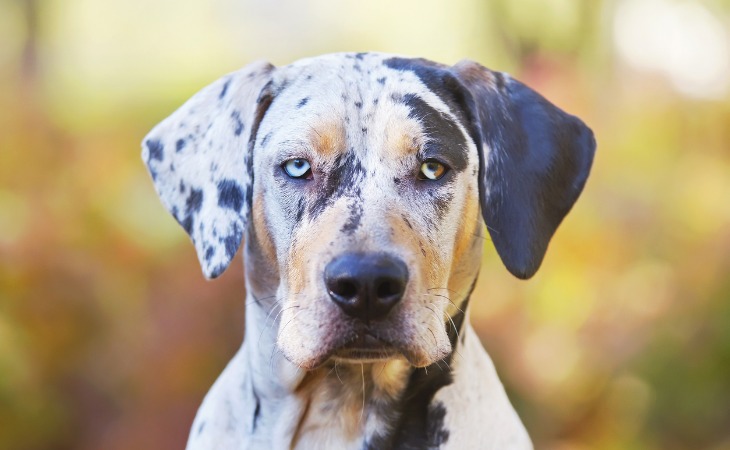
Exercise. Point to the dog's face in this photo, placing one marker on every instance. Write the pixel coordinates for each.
(388, 178)
(359, 180)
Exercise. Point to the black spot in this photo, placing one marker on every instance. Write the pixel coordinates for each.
(232, 242)
(353, 221)
(381, 80)
(225, 89)
(342, 180)
(187, 224)
(396, 180)
(194, 201)
(441, 202)
(300, 210)
(215, 273)
(209, 252)
(364, 129)
(256, 411)
(237, 123)
(230, 195)
(156, 149)
(179, 145)
(265, 140)
(408, 223)
(361, 55)
(302, 102)
(358, 105)
(181, 187)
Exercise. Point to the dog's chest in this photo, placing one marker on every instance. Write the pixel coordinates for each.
(348, 407)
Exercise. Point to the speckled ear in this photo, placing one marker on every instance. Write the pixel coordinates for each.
(201, 162)
(535, 159)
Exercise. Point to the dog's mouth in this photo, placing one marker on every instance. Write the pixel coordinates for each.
(366, 347)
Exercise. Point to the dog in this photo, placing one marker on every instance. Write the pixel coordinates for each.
(357, 180)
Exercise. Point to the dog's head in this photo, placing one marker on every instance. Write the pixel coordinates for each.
(358, 181)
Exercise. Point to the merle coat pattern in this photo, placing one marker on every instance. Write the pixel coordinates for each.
(311, 372)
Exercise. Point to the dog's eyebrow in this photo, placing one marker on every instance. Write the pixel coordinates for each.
(444, 137)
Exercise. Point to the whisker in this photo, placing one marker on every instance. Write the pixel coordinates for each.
(362, 411)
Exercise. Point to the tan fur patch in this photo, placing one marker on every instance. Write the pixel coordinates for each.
(263, 248)
(469, 220)
(328, 139)
(390, 377)
(310, 240)
(431, 262)
(403, 138)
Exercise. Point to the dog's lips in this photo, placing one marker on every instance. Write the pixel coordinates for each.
(366, 347)
(363, 345)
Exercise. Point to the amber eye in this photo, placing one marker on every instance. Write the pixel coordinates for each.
(432, 170)
(297, 168)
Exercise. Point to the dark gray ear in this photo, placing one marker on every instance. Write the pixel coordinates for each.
(535, 159)
(201, 163)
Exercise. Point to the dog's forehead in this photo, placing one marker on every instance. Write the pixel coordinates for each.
(340, 98)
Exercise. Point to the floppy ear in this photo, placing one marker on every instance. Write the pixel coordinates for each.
(201, 162)
(535, 159)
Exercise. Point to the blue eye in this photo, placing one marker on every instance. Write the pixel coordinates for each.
(297, 168)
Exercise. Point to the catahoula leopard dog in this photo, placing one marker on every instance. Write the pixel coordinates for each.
(356, 182)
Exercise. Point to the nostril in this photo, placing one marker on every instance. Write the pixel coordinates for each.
(389, 288)
(345, 288)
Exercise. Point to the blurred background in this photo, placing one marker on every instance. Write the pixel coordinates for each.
(110, 337)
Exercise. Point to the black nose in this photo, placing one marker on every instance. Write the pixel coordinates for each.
(366, 285)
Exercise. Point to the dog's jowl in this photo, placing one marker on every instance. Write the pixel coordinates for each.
(359, 185)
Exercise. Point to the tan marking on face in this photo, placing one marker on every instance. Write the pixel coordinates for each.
(310, 240)
(263, 254)
(263, 236)
(432, 264)
(328, 138)
(403, 138)
(470, 218)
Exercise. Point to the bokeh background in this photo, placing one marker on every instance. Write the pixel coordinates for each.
(110, 337)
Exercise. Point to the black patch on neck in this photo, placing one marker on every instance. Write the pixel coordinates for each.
(420, 421)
